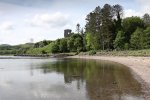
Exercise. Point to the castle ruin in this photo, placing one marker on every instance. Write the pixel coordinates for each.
(67, 33)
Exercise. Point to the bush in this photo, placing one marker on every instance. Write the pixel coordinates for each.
(92, 52)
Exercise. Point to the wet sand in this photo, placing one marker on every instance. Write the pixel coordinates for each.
(139, 65)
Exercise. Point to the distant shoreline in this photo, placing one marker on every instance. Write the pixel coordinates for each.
(139, 65)
(40, 56)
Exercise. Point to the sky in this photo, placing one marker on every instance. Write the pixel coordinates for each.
(24, 20)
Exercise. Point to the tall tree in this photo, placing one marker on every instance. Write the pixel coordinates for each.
(93, 26)
(107, 26)
(118, 14)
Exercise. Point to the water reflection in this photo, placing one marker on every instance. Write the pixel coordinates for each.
(104, 81)
(66, 79)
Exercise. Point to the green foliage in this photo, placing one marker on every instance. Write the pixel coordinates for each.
(70, 45)
(63, 45)
(136, 39)
(130, 24)
(88, 41)
(146, 38)
(119, 41)
(93, 31)
(54, 48)
(18, 49)
(126, 46)
(35, 51)
(42, 43)
(75, 43)
(144, 52)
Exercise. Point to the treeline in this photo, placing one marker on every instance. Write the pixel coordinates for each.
(74, 43)
(106, 29)
(17, 49)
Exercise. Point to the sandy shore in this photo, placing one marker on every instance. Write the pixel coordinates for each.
(139, 65)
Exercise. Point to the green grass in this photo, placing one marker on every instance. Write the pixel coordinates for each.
(121, 53)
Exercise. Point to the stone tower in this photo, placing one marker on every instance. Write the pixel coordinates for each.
(67, 32)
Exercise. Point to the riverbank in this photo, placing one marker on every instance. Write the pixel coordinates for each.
(139, 65)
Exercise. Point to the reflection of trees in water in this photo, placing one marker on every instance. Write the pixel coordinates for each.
(103, 81)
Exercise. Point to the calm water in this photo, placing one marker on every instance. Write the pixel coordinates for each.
(66, 79)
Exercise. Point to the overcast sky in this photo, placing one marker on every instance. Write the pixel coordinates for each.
(21, 20)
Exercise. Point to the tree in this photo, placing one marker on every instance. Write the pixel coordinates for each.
(130, 24)
(45, 43)
(36, 45)
(75, 43)
(118, 14)
(78, 43)
(118, 10)
(119, 41)
(93, 27)
(137, 39)
(63, 45)
(88, 41)
(147, 38)
(44, 52)
(107, 26)
(146, 19)
(54, 47)
(100, 27)
(70, 44)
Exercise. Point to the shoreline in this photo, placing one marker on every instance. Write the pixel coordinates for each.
(139, 66)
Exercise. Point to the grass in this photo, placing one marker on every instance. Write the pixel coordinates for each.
(144, 53)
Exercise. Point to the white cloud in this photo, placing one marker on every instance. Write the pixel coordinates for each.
(131, 12)
(54, 20)
(144, 2)
(6, 26)
(145, 8)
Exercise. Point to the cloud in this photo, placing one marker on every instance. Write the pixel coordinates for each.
(144, 2)
(54, 20)
(142, 9)
(28, 3)
(6, 26)
(145, 8)
(131, 12)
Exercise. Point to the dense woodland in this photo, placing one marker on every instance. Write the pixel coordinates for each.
(105, 29)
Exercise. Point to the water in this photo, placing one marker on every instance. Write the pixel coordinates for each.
(66, 79)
